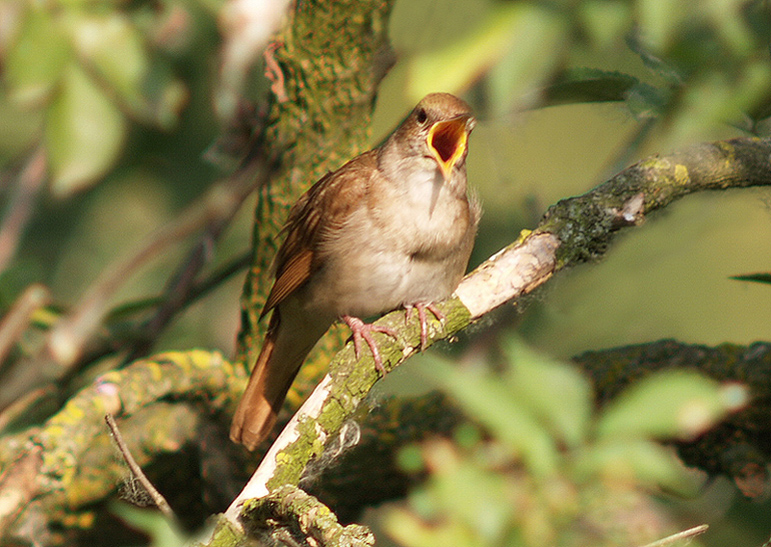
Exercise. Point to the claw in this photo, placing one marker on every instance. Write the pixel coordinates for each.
(422, 307)
(361, 330)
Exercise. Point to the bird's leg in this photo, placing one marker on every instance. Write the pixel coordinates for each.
(422, 307)
(361, 330)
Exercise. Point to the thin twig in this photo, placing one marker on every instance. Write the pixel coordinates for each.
(18, 317)
(20, 207)
(157, 497)
(684, 535)
(68, 337)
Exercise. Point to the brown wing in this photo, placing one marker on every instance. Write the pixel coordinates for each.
(322, 209)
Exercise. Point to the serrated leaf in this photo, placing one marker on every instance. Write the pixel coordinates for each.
(36, 60)
(756, 277)
(589, 86)
(84, 133)
(557, 393)
(669, 404)
(488, 400)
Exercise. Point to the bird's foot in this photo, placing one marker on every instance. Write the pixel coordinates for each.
(422, 307)
(363, 331)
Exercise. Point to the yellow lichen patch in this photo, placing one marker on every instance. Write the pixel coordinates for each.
(155, 370)
(730, 153)
(681, 175)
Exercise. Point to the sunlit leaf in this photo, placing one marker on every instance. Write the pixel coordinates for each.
(111, 44)
(36, 60)
(670, 404)
(455, 67)
(659, 21)
(84, 133)
(489, 401)
(557, 393)
(114, 47)
(535, 50)
(604, 21)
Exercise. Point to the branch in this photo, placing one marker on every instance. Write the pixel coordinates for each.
(78, 464)
(571, 232)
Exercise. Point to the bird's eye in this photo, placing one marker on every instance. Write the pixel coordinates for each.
(422, 116)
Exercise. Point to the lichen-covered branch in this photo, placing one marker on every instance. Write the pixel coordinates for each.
(298, 518)
(571, 232)
(740, 447)
(77, 464)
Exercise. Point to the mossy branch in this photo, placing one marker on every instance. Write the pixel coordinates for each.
(76, 463)
(573, 231)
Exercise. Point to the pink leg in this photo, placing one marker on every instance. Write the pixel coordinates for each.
(362, 330)
(422, 307)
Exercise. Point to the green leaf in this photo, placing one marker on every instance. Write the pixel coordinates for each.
(150, 521)
(84, 133)
(589, 86)
(115, 48)
(646, 101)
(530, 58)
(670, 404)
(604, 21)
(456, 66)
(660, 21)
(37, 58)
(633, 461)
(557, 393)
(491, 402)
(756, 277)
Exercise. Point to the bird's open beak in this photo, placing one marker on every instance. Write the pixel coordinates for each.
(447, 142)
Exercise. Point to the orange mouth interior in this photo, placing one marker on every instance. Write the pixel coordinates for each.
(447, 142)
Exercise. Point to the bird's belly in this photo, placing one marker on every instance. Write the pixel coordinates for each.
(368, 270)
(367, 287)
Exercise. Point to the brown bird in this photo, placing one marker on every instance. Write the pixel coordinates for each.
(392, 227)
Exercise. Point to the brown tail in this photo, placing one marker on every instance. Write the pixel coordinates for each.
(283, 352)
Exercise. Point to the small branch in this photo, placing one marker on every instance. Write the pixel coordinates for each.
(66, 340)
(19, 484)
(18, 317)
(306, 519)
(680, 536)
(156, 496)
(80, 467)
(20, 207)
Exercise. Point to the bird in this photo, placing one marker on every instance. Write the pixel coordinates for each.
(393, 227)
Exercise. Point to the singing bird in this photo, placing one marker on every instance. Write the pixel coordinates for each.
(392, 227)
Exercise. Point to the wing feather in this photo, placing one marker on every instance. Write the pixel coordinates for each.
(323, 208)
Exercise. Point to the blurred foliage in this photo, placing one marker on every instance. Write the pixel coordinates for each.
(89, 70)
(542, 467)
(119, 96)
